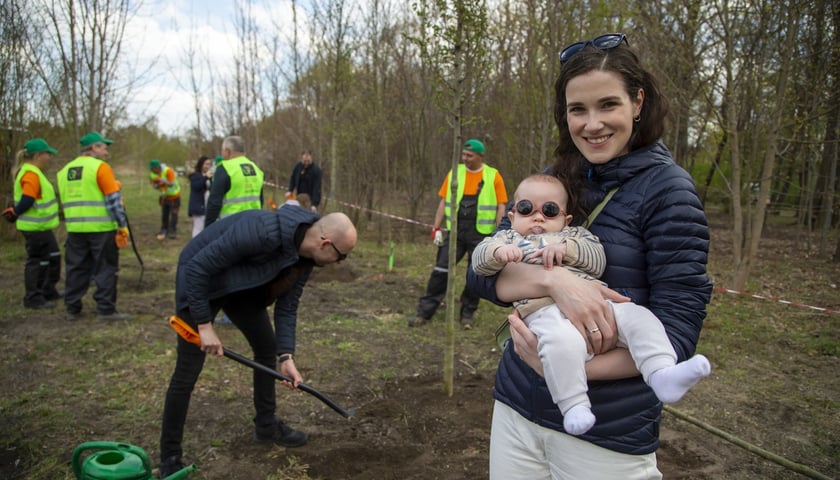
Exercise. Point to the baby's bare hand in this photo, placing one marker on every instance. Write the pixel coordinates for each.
(553, 255)
(508, 254)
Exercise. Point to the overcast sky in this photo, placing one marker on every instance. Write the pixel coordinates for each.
(160, 34)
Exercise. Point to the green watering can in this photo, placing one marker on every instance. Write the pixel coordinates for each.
(117, 461)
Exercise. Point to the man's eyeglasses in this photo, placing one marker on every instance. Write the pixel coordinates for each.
(604, 42)
(526, 208)
(341, 256)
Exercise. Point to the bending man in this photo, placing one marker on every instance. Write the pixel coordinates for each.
(241, 264)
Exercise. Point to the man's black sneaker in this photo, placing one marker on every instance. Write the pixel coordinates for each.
(282, 435)
(169, 466)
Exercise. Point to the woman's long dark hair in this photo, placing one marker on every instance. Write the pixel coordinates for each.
(199, 163)
(569, 162)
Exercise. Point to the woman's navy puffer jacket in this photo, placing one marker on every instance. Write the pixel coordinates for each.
(656, 238)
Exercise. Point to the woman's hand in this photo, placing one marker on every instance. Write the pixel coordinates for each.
(210, 343)
(613, 365)
(584, 303)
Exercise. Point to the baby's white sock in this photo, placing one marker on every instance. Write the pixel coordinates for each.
(578, 420)
(671, 383)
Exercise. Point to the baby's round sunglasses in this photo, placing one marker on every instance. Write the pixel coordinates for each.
(526, 208)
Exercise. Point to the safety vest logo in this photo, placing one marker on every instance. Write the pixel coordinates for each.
(248, 170)
(74, 173)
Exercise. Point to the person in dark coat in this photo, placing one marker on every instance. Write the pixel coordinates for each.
(200, 181)
(611, 115)
(242, 264)
(306, 178)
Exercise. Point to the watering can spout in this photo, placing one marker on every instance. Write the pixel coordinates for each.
(182, 473)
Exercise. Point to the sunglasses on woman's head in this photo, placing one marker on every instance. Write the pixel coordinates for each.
(604, 42)
(526, 208)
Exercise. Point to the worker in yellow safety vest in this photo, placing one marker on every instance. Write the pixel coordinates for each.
(165, 180)
(35, 214)
(237, 183)
(97, 227)
(479, 205)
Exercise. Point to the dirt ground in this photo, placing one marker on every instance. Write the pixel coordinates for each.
(354, 346)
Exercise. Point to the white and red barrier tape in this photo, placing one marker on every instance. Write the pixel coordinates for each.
(777, 300)
(359, 207)
(395, 217)
(717, 289)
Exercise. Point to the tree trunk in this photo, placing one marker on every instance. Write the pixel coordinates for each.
(830, 148)
(458, 118)
(766, 180)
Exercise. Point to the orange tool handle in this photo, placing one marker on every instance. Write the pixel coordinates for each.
(184, 330)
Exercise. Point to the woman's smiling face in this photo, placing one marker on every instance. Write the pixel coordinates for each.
(600, 115)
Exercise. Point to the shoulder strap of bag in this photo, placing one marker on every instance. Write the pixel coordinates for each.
(503, 330)
(597, 210)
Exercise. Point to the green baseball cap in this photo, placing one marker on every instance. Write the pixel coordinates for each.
(92, 138)
(38, 145)
(475, 146)
(154, 163)
(218, 160)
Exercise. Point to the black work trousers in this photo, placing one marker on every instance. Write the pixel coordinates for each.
(91, 257)
(169, 215)
(247, 311)
(42, 269)
(436, 288)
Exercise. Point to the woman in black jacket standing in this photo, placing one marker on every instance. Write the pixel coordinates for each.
(611, 115)
(200, 181)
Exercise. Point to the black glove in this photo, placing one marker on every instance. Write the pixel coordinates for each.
(9, 213)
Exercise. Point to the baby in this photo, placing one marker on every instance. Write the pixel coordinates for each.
(540, 234)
